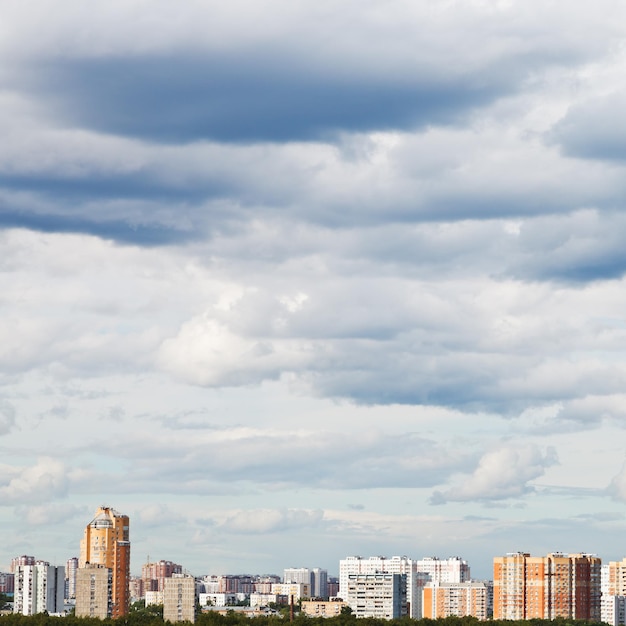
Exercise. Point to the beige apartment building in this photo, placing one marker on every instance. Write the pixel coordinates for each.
(94, 585)
(179, 598)
(319, 608)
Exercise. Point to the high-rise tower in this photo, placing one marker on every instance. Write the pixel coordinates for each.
(106, 542)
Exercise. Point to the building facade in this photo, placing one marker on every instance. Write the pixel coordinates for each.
(107, 542)
(94, 591)
(557, 585)
(381, 595)
(179, 599)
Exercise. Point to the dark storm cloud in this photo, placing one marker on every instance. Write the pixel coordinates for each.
(121, 230)
(252, 98)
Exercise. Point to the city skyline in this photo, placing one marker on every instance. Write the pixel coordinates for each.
(313, 278)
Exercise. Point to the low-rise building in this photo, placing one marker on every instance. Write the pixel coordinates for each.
(318, 608)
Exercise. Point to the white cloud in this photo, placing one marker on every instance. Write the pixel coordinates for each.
(505, 472)
(47, 480)
(258, 521)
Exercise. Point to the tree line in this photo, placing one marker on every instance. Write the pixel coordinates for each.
(145, 617)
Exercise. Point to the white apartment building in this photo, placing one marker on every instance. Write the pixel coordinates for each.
(415, 580)
(380, 595)
(39, 588)
(613, 610)
(297, 575)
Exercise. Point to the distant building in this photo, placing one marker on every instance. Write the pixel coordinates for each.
(179, 599)
(333, 586)
(556, 585)
(297, 575)
(153, 597)
(316, 577)
(154, 574)
(106, 542)
(319, 582)
(265, 599)
(21, 560)
(381, 595)
(137, 589)
(39, 588)
(94, 591)
(263, 584)
(297, 590)
(473, 598)
(7, 583)
(70, 577)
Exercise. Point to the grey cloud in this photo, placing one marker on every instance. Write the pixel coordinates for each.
(247, 100)
(279, 460)
(594, 129)
(7, 417)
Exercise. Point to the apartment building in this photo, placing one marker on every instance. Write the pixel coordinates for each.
(179, 599)
(94, 591)
(39, 588)
(7, 583)
(381, 595)
(154, 574)
(557, 585)
(445, 599)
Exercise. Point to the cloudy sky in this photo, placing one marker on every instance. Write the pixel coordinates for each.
(291, 280)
